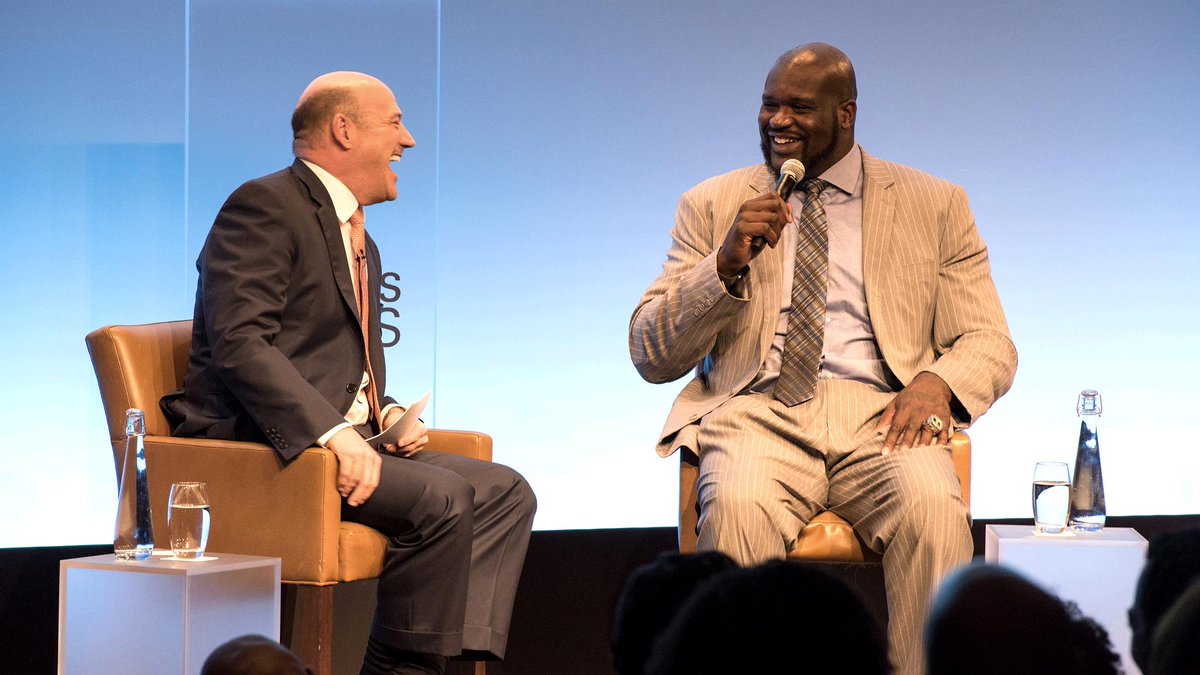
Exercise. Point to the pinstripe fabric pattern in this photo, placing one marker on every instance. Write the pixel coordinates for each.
(810, 283)
(930, 295)
(766, 468)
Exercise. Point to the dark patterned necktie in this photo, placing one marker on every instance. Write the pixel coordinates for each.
(806, 322)
(358, 243)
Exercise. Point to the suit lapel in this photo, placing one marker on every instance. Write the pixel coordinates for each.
(331, 228)
(765, 272)
(879, 212)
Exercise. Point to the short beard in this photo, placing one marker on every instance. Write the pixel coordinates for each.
(764, 144)
(823, 156)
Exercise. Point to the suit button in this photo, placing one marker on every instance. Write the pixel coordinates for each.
(351, 388)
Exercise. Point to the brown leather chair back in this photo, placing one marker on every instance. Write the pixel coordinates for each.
(135, 366)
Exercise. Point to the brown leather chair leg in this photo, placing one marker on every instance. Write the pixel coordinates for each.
(307, 625)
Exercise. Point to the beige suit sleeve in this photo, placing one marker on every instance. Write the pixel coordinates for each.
(678, 319)
(975, 354)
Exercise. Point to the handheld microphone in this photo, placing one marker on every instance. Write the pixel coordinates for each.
(790, 175)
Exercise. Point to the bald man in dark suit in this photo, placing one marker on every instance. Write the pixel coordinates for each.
(279, 355)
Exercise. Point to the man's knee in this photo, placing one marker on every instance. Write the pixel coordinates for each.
(732, 503)
(940, 519)
(525, 498)
(929, 490)
(512, 490)
(448, 502)
(936, 509)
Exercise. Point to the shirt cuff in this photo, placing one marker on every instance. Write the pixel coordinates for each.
(384, 412)
(324, 438)
(736, 284)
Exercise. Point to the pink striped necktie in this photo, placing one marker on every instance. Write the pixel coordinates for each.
(358, 242)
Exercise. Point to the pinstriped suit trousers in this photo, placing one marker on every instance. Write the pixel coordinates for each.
(767, 469)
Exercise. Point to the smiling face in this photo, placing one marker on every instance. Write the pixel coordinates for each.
(379, 139)
(349, 124)
(808, 110)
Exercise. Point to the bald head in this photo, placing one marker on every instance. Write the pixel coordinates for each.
(328, 95)
(830, 62)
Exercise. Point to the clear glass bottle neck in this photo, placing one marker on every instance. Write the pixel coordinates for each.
(135, 422)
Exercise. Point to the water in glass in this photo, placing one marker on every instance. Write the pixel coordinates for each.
(188, 520)
(1051, 496)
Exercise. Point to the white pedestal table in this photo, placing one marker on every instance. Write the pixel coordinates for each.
(160, 615)
(1097, 571)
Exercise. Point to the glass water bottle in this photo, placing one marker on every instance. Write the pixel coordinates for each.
(134, 533)
(1087, 487)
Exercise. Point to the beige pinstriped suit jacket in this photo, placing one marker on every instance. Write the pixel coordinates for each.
(930, 296)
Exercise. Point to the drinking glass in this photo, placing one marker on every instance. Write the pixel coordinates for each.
(188, 520)
(1051, 496)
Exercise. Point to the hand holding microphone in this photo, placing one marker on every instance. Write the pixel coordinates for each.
(759, 222)
(790, 175)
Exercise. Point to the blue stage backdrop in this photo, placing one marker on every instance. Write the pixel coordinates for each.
(553, 141)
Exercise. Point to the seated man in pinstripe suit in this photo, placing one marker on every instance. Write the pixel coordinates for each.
(837, 339)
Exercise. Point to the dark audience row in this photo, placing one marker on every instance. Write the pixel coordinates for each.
(700, 614)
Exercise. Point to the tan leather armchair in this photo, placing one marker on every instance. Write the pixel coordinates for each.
(827, 537)
(259, 506)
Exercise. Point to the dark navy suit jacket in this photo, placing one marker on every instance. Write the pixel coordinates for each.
(277, 351)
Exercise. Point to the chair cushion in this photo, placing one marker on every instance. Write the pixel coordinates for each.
(360, 552)
(829, 538)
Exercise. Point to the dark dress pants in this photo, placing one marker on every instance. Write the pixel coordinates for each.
(457, 531)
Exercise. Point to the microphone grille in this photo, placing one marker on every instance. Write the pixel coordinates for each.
(794, 169)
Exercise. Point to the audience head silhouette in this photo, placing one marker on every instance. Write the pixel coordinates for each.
(653, 594)
(752, 620)
(1172, 564)
(988, 620)
(253, 655)
(1175, 647)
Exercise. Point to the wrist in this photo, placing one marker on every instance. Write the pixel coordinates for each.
(731, 278)
(931, 379)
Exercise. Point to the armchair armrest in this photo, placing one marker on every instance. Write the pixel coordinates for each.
(259, 506)
(960, 452)
(464, 443)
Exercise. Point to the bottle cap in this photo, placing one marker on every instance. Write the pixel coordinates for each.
(1089, 403)
(135, 422)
